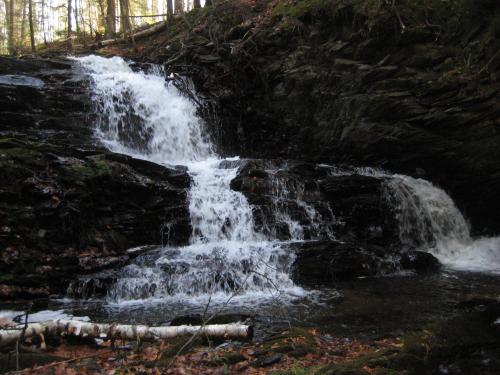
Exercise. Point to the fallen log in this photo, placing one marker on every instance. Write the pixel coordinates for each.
(138, 35)
(120, 331)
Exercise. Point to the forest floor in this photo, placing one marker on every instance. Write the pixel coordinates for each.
(293, 351)
(468, 343)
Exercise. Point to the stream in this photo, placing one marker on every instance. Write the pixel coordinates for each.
(232, 266)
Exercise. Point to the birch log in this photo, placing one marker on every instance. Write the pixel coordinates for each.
(121, 331)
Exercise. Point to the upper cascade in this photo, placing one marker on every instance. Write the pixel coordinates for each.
(142, 115)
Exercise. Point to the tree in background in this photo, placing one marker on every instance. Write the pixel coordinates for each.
(110, 18)
(10, 26)
(170, 11)
(24, 24)
(32, 27)
(125, 22)
(69, 42)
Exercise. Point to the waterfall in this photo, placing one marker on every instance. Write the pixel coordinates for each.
(142, 115)
(430, 221)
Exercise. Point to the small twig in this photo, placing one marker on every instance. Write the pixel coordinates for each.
(395, 9)
(204, 323)
(488, 63)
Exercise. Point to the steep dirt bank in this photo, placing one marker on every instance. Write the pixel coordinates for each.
(409, 86)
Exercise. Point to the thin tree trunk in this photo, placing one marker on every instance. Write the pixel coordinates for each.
(126, 26)
(11, 43)
(208, 3)
(170, 12)
(82, 22)
(77, 24)
(23, 28)
(110, 19)
(32, 28)
(90, 23)
(101, 20)
(196, 4)
(43, 23)
(154, 8)
(69, 43)
(9, 337)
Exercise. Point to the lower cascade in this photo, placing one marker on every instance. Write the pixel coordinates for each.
(229, 255)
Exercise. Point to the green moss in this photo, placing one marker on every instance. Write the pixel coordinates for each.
(228, 359)
(94, 166)
(6, 277)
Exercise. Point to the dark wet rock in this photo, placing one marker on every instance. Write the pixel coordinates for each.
(419, 261)
(67, 206)
(325, 262)
(330, 261)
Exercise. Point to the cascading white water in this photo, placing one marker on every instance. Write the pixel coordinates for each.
(429, 220)
(141, 115)
(289, 195)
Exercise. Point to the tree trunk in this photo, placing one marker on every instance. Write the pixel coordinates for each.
(32, 27)
(170, 11)
(77, 24)
(20, 42)
(126, 26)
(154, 8)
(69, 42)
(43, 23)
(111, 19)
(101, 19)
(196, 4)
(11, 42)
(9, 337)
(208, 3)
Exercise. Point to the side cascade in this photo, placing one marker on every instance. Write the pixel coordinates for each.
(430, 221)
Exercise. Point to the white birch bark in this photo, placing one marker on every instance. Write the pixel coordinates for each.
(121, 331)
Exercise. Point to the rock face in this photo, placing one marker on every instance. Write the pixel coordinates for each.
(69, 207)
(411, 87)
